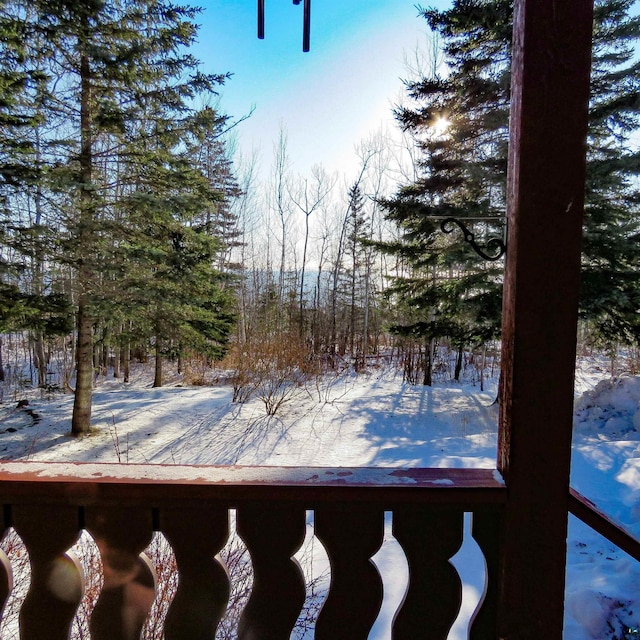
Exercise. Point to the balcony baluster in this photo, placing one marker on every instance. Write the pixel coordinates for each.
(203, 587)
(430, 537)
(128, 592)
(351, 535)
(273, 533)
(56, 581)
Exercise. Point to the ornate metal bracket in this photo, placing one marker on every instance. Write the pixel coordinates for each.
(496, 246)
(306, 27)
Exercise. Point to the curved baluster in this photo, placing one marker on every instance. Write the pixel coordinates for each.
(351, 536)
(196, 536)
(272, 534)
(56, 581)
(6, 580)
(16, 552)
(6, 573)
(429, 538)
(486, 532)
(128, 591)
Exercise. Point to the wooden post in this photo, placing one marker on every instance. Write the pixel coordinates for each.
(549, 100)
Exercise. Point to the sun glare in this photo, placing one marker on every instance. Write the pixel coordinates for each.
(440, 126)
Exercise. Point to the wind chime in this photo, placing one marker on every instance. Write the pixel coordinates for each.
(306, 28)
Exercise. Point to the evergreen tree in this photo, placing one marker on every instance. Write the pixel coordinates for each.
(28, 300)
(120, 85)
(354, 286)
(179, 299)
(459, 118)
(210, 154)
(610, 296)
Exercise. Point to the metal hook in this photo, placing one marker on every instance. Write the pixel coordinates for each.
(494, 244)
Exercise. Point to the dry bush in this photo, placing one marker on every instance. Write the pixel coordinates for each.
(244, 382)
(274, 367)
(235, 557)
(197, 370)
(88, 556)
(282, 366)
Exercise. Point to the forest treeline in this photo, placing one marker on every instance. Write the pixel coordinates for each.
(131, 228)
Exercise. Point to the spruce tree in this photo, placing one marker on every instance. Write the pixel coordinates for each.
(610, 297)
(212, 157)
(354, 285)
(28, 300)
(177, 297)
(446, 288)
(120, 92)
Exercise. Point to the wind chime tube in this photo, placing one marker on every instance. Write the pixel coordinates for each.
(306, 34)
(261, 19)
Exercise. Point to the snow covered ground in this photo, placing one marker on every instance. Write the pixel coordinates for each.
(374, 419)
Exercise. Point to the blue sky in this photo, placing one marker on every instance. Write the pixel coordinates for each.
(328, 99)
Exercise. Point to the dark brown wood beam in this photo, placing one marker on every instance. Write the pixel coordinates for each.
(599, 521)
(549, 103)
(83, 484)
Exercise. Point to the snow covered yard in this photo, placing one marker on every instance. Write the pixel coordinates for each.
(375, 419)
(368, 420)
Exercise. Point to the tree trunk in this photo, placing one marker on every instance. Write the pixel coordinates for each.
(2, 375)
(96, 359)
(157, 380)
(365, 321)
(38, 273)
(352, 311)
(81, 420)
(116, 362)
(105, 353)
(304, 266)
(125, 359)
(334, 289)
(41, 359)
(428, 364)
(458, 369)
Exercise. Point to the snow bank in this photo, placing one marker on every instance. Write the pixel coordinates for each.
(603, 583)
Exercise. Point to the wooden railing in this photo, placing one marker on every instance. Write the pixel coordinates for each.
(121, 506)
(589, 513)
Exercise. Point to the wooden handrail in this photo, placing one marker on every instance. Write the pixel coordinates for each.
(589, 513)
(131, 484)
